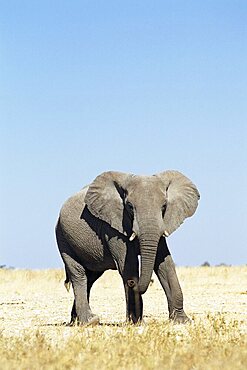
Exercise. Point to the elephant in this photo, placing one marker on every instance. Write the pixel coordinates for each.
(113, 223)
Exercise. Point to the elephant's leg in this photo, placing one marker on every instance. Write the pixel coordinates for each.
(92, 276)
(134, 304)
(81, 309)
(73, 315)
(125, 255)
(166, 273)
(130, 275)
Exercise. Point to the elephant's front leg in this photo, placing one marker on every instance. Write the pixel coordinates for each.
(126, 257)
(166, 273)
(134, 304)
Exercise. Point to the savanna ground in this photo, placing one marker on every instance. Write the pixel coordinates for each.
(34, 305)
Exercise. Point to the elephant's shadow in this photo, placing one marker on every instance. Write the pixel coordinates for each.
(98, 225)
(65, 324)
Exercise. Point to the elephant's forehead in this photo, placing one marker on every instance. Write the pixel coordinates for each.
(144, 183)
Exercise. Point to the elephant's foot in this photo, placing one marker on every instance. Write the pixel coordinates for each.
(132, 319)
(91, 321)
(94, 320)
(179, 317)
(71, 323)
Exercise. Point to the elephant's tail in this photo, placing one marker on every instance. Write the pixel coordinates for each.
(67, 282)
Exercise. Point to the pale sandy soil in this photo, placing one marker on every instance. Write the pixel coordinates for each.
(31, 300)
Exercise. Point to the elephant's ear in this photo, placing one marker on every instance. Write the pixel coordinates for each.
(104, 198)
(182, 199)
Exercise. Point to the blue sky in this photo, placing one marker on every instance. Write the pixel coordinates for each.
(133, 86)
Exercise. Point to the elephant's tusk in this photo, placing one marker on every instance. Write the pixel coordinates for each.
(166, 234)
(132, 237)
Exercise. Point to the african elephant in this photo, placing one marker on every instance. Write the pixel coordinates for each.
(109, 223)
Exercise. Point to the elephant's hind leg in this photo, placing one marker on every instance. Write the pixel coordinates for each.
(81, 310)
(92, 276)
(76, 274)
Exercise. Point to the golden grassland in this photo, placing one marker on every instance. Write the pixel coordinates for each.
(34, 306)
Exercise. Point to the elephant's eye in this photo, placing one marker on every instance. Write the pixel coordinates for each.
(163, 209)
(130, 208)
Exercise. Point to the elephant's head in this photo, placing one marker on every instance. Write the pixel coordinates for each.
(152, 206)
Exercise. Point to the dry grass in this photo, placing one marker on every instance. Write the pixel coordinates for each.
(34, 304)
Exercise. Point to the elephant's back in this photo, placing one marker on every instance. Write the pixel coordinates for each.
(82, 235)
(71, 211)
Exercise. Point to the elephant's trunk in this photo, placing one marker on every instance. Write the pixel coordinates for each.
(149, 240)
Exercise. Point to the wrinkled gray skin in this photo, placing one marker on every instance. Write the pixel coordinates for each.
(95, 226)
